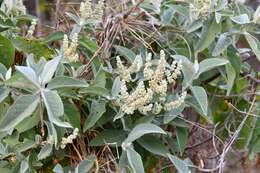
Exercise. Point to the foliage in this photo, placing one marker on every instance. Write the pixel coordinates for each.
(128, 84)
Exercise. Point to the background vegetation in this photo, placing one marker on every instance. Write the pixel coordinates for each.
(129, 86)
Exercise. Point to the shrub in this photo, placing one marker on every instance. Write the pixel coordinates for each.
(130, 89)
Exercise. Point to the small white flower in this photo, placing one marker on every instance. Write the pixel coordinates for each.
(87, 13)
(157, 108)
(174, 71)
(148, 72)
(69, 139)
(85, 10)
(13, 7)
(75, 132)
(122, 70)
(70, 49)
(145, 109)
(50, 140)
(159, 73)
(98, 12)
(176, 103)
(32, 28)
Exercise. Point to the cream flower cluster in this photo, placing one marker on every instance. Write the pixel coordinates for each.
(50, 140)
(157, 108)
(176, 103)
(124, 72)
(70, 49)
(174, 71)
(32, 28)
(13, 7)
(148, 72)
(137, 100)
(163, 75)
(142, 97)
(201, 7)
(69, 139)
(86, 11)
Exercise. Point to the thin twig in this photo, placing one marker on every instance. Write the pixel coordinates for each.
(56, 17)
(97, 166)
(42, 120)
(199, 126)
(234, 137)
(77, 151)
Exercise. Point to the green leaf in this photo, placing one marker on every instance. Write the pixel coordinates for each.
(116, 87)
(29, 74)
(7, 51)
(24, 165)
(54, 106)
(241, 19)
(210, 63)
(6, 170)
(223, 42)
(179, 164)
(95, 90)
(45, 151)
(97, 110)
(234, 59)
(194, 26)
(25, 18)
(257, 15)
(66, 82)
(25, 145)
(72, 113)
(108, 137)
(231, 76)
(52, 132)
(153, 144)
(142, 129)
(36, 47)
(201, 97)
(90, 47)
(135, 161)
(254, 44)
(209, 32)
(5, 22)
(23, 107)
(36, 66)
(49, 70)
(100, 78)
(18, 80)
(167, 16)
(3, 70)
(29, 122)
(4, 92)
(182, 138)
(53, 37)
(187, 70)
(192, 101)
(183, 10)
(58, 169)
(124, 164)
(127, 53)
(89, 44)
(86, 165)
